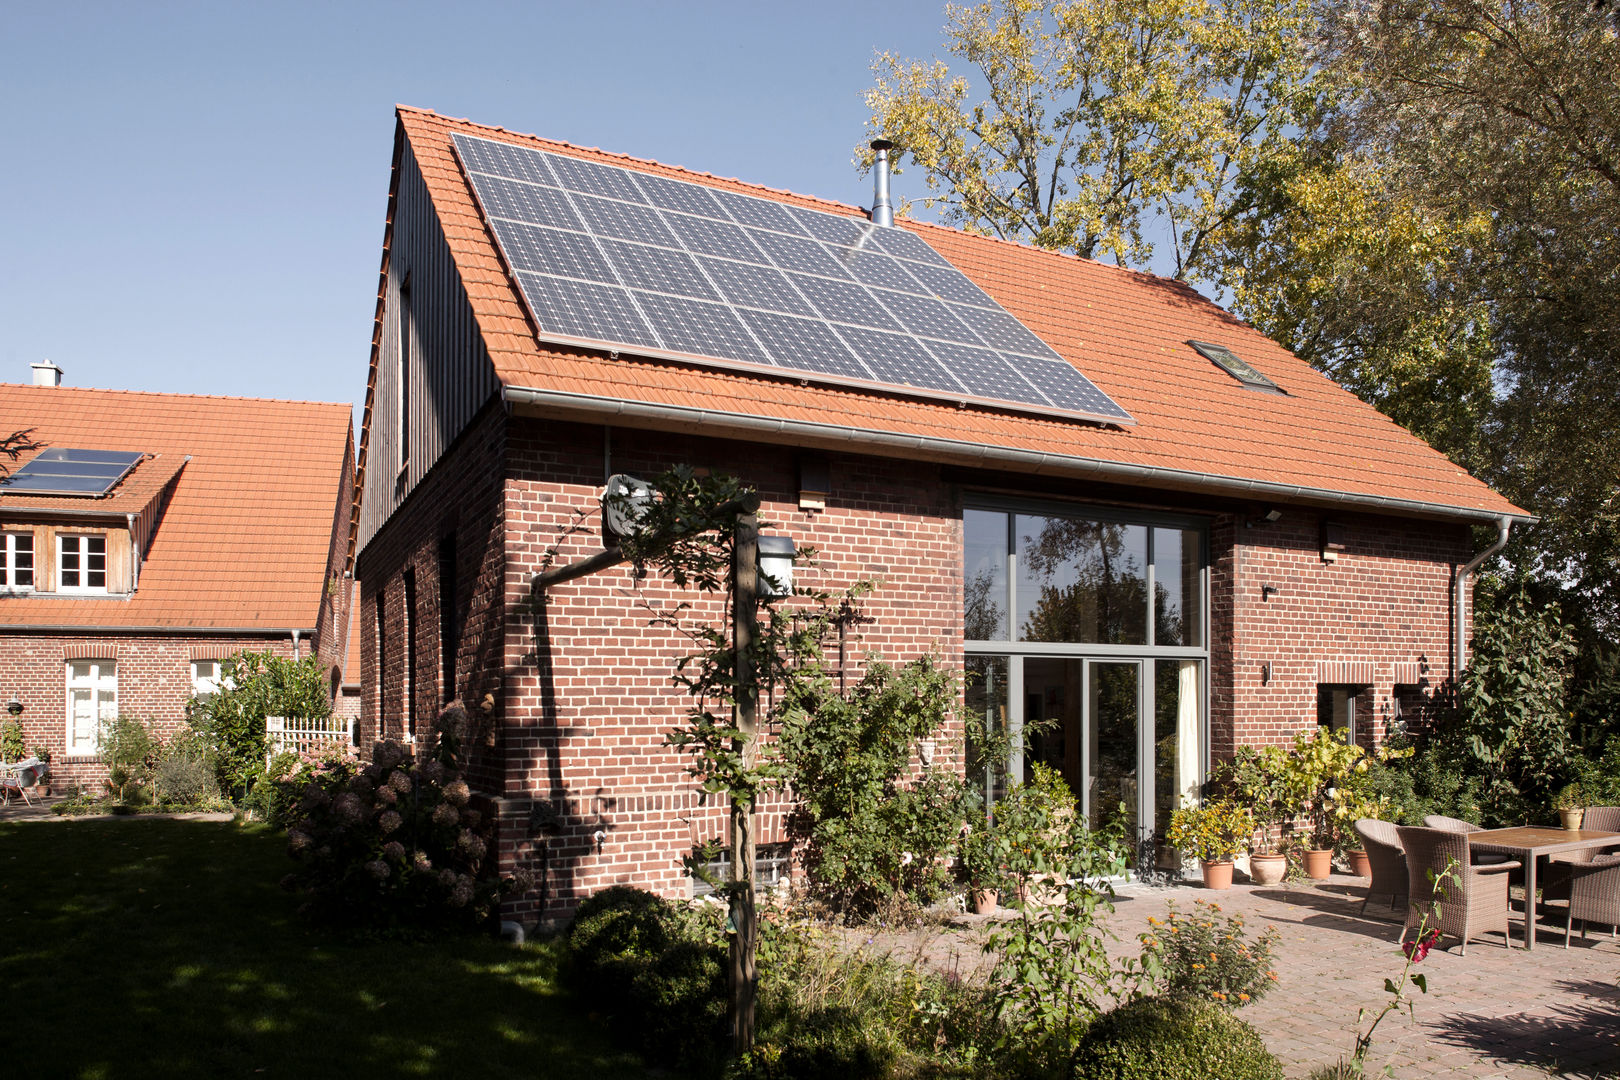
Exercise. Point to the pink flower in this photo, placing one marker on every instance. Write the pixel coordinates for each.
(378, 869)
(445, 814)
(400, 782)
(394, 850)
(389, 821)
(1417, 949)
(421, 861)
(348, 808)
(457, 792)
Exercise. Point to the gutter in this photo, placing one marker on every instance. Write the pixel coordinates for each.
(1459, 644)
(607, 410)
(108, 631)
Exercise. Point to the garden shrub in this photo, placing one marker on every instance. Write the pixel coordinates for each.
(1206, 954)
(184, 780)
(253, 686)
(655, 968)
(129, 749)
(11, 740)
(396, 843)
(1172, 1038)
(872, 828)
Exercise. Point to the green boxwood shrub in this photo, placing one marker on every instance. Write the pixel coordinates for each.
(1173, 1038)
(657, 969)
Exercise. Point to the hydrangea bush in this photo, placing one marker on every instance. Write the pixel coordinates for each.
(396, 841)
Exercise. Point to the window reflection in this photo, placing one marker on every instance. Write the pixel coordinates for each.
(1081, 581)
(1176, 591)
(984, 575)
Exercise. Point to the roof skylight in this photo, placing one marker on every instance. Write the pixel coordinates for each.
(1235, 366)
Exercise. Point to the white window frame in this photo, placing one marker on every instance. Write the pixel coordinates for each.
(206, 685)
(80, 546)
(99, 681)
(8, 561)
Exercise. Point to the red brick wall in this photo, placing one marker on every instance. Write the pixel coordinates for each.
(1387, 600)
(462, 496)
(588, 697)
(154, 683)
(580, 680)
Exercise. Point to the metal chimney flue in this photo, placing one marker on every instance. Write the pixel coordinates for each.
(882, 208)
(46, 374)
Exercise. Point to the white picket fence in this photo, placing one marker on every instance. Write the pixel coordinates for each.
(299, 734)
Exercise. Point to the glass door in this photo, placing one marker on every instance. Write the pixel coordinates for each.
(1115, 782)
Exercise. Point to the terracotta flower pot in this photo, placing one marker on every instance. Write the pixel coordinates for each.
(1268, 869)
(1218, 875)
(984, 901)
(1572, 818)
(1319, 863)
(1360, 865)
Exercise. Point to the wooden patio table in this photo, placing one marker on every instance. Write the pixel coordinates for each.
(1529, 843)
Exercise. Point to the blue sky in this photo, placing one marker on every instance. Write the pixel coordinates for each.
(194, 193)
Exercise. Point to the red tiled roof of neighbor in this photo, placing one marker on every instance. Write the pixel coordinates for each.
(1124, 329)
(244, 540)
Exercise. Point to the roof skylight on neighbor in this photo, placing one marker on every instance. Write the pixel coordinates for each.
(63, 471)
(1235, 366)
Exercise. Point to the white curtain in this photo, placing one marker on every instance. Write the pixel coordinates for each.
(1188, 751)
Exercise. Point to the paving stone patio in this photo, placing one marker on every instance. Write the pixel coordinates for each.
(1495, 1012)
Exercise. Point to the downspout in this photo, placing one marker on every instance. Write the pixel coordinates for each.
(295, 646)
(134, 554)
(1459, 590)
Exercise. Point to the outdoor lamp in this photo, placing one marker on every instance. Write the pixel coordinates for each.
(624, 503)
(14, 706)
(775, 566)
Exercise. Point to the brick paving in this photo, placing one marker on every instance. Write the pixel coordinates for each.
(1495, 1012)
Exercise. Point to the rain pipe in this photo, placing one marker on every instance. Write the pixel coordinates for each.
(1459, 591)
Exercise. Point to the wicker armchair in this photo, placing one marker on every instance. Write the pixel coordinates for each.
(1484, 858)
(1475, 903)
(1602, 819)
(1383, 847)
(1594, 895)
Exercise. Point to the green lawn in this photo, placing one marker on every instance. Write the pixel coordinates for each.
(145, 947)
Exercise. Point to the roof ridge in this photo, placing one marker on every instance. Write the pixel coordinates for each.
(176, 394)
(631, 158)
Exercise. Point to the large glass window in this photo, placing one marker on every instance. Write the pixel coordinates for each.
(1087, 643)
(92, 696)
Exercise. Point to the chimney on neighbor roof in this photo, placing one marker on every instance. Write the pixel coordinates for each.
(46, 374)
(882, 208)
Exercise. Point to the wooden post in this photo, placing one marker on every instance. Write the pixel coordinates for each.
(744, 978)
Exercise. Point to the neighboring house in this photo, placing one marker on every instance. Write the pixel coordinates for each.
(153, 535)
(1205, 545)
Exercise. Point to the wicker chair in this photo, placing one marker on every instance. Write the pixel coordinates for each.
(1475, 903)
(1594, 877)
(1383, 847)
(1484, 858)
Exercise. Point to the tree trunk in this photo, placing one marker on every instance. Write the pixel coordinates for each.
(744, 978)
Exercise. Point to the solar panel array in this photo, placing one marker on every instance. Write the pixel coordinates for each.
(612, 257)
(61, 471)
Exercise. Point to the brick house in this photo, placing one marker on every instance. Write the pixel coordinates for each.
(1238, 549)
(153, 535)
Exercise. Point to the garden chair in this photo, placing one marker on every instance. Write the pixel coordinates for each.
(19, 778)
(1472, 902)
(1484, 858)
(1383, 847)
(1594, 877)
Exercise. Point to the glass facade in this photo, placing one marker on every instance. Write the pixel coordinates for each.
(1086, 639)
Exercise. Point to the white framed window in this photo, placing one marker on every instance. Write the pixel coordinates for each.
(81, 562)
(205, 680)
(17, 560)
(92, 696)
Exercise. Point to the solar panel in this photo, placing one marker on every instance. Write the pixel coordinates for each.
(610, 257)
(63, 471)
(1235, 366)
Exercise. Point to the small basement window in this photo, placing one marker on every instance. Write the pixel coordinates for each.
(773, 864)
(1235, 366)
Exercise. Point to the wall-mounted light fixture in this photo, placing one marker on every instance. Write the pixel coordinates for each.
(14, 706)
(1267, 592)
(1265, 673)
(1269, 516)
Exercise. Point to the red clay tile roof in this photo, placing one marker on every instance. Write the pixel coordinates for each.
(244, 540)
(1196, 426)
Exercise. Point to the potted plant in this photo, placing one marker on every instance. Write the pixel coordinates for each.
(1259, 780)
(1212, 833)
(1321, 760)
(983, 857)
(1571, 803)
(44, 755)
